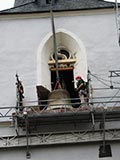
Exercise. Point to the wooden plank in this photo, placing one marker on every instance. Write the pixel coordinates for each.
(62, 69)
(63, 61)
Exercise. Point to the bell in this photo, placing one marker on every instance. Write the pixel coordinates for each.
(59, 99)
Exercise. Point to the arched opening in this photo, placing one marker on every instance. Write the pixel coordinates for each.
(72, 61)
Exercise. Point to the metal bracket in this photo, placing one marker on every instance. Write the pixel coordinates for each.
(28, 155)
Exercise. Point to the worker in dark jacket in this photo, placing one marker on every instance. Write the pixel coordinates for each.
(20, 91)
(82, 89)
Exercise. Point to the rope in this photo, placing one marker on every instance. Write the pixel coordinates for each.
(100, 80)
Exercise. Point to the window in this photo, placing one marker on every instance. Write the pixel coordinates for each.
(62, 54)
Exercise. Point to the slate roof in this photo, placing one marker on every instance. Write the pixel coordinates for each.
(32, 6)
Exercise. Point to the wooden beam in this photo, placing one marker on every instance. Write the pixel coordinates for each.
(62, 69)
(63, 61)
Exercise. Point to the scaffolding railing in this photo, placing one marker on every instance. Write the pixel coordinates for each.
(74, 106)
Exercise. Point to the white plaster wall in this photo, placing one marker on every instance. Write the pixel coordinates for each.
(43, 55)
(68, 152)
(20, 40)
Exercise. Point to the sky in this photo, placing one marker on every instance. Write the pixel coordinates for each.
(5, 4)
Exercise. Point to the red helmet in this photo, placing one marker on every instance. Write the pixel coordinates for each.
(77, 77)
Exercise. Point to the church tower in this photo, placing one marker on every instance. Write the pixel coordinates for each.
(41, 118)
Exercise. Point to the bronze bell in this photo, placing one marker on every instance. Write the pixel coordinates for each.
(59, 99)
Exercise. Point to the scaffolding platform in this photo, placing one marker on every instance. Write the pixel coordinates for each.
(63, 116)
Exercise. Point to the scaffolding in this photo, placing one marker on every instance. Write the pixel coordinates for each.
(91, 119)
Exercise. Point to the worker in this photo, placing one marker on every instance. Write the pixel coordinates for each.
(20, 91)
(82, 89)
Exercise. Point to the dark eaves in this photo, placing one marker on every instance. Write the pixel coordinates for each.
(34, 6)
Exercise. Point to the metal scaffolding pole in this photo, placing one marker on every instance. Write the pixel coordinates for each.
(117, 20)
(55, 45)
